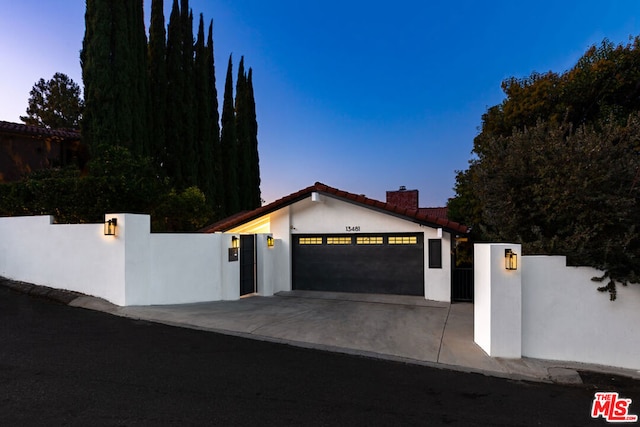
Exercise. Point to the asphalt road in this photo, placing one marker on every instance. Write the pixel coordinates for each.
(67, 366)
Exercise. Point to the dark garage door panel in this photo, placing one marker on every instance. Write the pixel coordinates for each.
(382, 269)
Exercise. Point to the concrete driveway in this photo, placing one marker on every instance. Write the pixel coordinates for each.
(402, 328)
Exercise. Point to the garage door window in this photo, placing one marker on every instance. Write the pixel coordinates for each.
(338, 240)
(310, 240)
(369, 240)
(403, 240)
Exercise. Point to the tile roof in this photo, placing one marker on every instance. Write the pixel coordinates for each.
(37, 131)
(422, 216)
(439, 212)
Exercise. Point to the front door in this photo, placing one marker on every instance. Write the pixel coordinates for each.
(247, 264)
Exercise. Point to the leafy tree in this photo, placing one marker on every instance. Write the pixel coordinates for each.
(557, 165)
(119, 182)
(182, 211)
(55, 104)
(603, 84)
(560, 190)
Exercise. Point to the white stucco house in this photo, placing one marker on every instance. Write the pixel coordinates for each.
(333, 240)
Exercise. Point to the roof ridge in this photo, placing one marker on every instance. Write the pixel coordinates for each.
(414, 214)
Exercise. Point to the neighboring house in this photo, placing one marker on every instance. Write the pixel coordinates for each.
(25, 149)
(342, 242)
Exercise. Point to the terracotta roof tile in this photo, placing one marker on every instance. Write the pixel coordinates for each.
(423, 216)
(36, 131)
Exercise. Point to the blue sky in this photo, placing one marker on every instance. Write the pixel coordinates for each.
(364, 96)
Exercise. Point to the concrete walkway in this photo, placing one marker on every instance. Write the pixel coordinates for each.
(399, 328)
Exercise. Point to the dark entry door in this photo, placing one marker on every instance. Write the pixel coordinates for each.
(247, 264)
(462, 274)
(360, 263)
(462, 289)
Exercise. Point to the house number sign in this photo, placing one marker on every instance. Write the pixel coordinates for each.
(352, 228)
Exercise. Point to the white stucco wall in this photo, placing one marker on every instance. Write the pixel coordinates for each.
(564, 317)
(497, 301)
(77, 257)
(134, 267)
(280, 228)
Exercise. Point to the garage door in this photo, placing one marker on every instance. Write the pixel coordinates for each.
(363, 263)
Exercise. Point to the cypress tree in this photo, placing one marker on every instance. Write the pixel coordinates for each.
(175, 89)
(203, 115)
(188, 105)
(217, 194)
(228, 144)
(114, 75)
(99, 121)
(254, 158)
(157, 82)
(139, 94)
(247, 141)
(242, 138)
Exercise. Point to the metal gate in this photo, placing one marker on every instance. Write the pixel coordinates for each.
(247, 264)
(462, 289)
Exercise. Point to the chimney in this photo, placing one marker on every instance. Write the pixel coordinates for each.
(403, 198)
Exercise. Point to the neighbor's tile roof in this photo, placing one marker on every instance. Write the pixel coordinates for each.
(424, 216)
(37, 131)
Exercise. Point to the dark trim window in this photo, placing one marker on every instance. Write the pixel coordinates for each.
(435, 253)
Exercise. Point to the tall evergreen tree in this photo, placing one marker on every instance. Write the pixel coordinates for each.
(175, 89)
(114, 74)
(254, 158)
(216, 178)
(188, 104)
(247, 141)
(99, 121)
(228, 144)
(55, 104)
(140, 101)
(203, 115)
(157, 82)
(242, 138)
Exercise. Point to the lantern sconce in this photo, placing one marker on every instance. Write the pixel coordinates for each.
(510, 260)
(233, 250)
(110, 227)
(270, 242)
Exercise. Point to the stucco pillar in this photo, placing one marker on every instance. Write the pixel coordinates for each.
(497, 327)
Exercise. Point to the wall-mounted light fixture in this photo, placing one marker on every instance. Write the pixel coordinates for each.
(110, 227)
(510, 260)
(233, 250)
(270, 242)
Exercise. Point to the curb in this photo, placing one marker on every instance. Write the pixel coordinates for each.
(57, 295)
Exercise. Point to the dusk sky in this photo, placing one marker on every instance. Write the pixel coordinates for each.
(364, 96)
